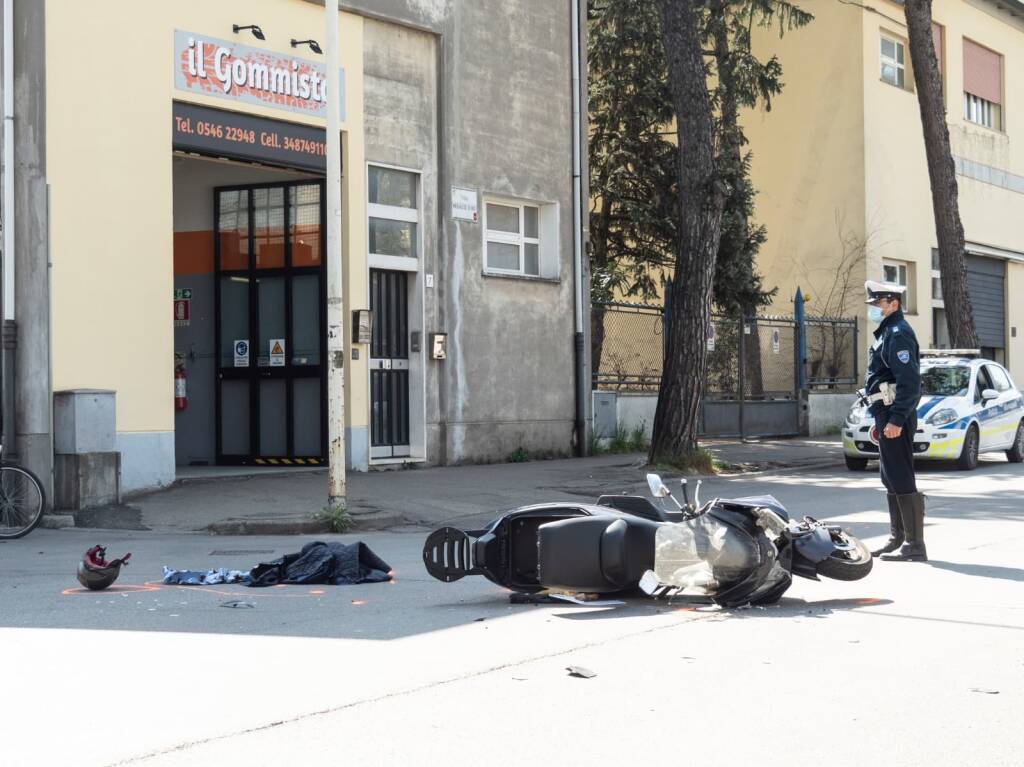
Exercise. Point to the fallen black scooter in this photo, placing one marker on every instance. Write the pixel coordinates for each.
(730, 551)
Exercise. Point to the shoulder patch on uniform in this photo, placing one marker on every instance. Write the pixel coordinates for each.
(903, 355)
(896, 329)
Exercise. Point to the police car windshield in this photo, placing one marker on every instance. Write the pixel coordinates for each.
(946, 381)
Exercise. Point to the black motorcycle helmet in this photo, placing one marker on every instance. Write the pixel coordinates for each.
(95, 573)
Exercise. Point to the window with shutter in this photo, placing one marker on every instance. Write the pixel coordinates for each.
(983, 85)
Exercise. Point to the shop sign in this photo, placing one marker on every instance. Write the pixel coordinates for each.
(464, 204)
(276, 352)
(230, 70)
(241, 353)
(229, 134)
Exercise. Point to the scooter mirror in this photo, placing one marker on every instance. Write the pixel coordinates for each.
(657, 487)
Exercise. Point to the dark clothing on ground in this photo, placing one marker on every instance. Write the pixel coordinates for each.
(895, 358)
(332, 563)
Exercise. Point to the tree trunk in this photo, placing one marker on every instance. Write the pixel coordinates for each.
(600, 227)
(754, 374)
(701, 199)
(949, 230)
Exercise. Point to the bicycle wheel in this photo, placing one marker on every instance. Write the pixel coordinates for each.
(21, 501)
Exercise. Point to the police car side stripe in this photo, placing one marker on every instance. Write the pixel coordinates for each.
(927, 407)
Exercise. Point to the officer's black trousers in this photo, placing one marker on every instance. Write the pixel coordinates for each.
(897, 455)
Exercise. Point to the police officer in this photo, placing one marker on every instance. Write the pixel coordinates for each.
(893, 389)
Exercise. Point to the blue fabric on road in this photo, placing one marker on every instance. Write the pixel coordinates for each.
(204, 577)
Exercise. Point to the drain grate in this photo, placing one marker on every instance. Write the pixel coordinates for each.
(239, 552)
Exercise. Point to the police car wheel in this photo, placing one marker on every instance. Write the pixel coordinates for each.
(968, 460)
(853, 463)
(1016, 453)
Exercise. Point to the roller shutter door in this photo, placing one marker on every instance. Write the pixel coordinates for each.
(986, 283)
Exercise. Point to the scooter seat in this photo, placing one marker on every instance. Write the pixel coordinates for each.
(595, 554)
(627, 551)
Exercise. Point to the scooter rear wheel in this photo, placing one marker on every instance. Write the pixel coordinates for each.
(847, 564)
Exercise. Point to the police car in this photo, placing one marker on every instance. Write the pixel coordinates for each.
(968, 406)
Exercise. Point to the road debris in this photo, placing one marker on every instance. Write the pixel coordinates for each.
(581, 672)
(238, 603)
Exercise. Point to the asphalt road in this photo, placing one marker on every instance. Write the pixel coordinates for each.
(916, 664)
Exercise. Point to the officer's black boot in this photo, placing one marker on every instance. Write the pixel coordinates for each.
(896, 536)
(912, 511)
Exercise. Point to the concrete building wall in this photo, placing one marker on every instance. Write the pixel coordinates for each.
(506, 78)
(401, 106)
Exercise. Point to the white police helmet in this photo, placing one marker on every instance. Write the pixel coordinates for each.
(875, 290)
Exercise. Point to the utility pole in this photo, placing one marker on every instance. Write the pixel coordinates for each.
(335, 298)
(8, 344)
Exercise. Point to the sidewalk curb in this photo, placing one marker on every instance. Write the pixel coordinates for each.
(57, 521)
(372, 522)
(823, 464)
(306, 526)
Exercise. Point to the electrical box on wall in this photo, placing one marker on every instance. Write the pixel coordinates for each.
(439, 346)
(362, 326)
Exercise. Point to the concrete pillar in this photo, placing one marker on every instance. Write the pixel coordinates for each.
(31, 244)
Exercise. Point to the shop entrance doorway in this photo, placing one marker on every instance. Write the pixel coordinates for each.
(269, 267)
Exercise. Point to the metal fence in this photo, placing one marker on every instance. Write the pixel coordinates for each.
(757, 366)
(627, 346)
(831, 353)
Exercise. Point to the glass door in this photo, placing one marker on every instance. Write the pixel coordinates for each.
(270, 293)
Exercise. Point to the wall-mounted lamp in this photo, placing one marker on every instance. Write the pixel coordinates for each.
(313, 45)
(256, 31)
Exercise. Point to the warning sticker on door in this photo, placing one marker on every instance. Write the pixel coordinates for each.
(276, 352)
(242, 353)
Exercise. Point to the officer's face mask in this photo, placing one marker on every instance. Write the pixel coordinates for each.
(875, 314)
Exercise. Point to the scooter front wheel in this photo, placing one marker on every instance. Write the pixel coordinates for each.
(849, 561)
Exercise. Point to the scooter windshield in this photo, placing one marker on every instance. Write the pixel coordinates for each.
(702, 556)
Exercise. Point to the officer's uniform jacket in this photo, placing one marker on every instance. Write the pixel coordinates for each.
(895, 358)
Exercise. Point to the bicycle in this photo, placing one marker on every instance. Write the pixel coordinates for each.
(22, 500)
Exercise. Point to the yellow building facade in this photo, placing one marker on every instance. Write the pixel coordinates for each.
(116, 169)
(839, 164)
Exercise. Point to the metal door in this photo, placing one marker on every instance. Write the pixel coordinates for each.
(269, 297)
(389, 364)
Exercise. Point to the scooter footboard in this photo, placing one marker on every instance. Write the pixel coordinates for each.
(448, 554)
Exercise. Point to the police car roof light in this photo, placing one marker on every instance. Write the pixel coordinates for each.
(951, 352)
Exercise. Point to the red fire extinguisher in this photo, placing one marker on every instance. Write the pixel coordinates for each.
(180, 391)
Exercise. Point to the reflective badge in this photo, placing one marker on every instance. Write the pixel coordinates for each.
(903, 355)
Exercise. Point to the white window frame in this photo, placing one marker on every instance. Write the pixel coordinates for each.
(982, 112)
(901, 69)
(909, 304)
(510, 238)
(395, 213)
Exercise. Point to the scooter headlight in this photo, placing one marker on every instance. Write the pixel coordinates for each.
(945, 415)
